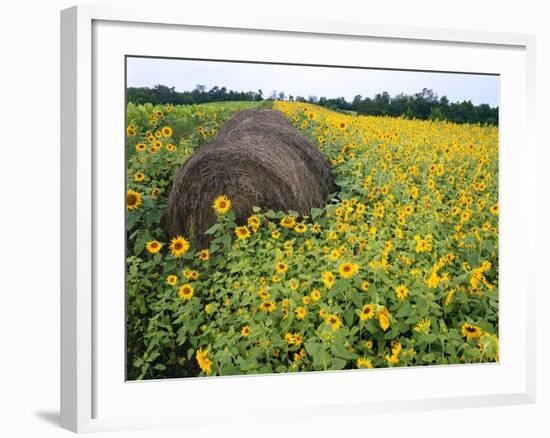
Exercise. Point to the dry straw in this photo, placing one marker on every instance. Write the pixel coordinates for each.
(256, 159)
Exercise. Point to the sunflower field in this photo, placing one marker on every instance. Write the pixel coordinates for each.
(400, 268)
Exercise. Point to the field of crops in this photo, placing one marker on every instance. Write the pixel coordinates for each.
(399, 269)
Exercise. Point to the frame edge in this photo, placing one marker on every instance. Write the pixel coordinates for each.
(75, 212)
(76, 196)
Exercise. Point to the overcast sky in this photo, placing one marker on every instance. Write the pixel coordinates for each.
(305, 81)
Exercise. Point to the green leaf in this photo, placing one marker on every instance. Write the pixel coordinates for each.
(131, 220)
(230, 370)
(312, 347)
(430, 357)
(338, 287)
(213, 229)
(226, 239)
(413, 319)
(321, 357)
(357, 299)
(405, 310)
(348, 316)
(473, 259)
(169, 265)
(337, 364)
(340, 351)
(316, 212)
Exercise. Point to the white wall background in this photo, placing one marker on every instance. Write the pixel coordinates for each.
(29, 215)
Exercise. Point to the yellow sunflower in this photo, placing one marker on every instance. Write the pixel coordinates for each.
(268, 306)
(205, 363)
(384, 319)
(155, 192)
(133, 200)
(245, 331)
(363, 362)
(166, 131)
(153, 246)
(204, 255)
(221, 204)
(470, 331)
(328, 279)
(334, 322)
(186, 291)
(401, 292)
(179, 245)
(423, 326)
(281, 267)
(300, 313)
(367, 312)
(253, 222)
(171, 280)
(347, 270)
(288, 221)
(242, 233)
(315, 295)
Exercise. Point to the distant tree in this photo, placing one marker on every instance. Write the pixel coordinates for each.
(423, 105)
(437, 114)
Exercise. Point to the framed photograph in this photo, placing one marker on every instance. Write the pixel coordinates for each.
(269, 217)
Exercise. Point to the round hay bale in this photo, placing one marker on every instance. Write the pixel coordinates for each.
(257, 159)
(251, 117)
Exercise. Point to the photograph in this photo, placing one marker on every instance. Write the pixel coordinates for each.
(285, 218)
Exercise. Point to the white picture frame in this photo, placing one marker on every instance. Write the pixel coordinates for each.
(86, 401)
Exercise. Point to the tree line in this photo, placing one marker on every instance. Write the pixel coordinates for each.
(425, 105)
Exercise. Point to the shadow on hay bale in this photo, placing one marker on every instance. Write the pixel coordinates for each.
(256, 159)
